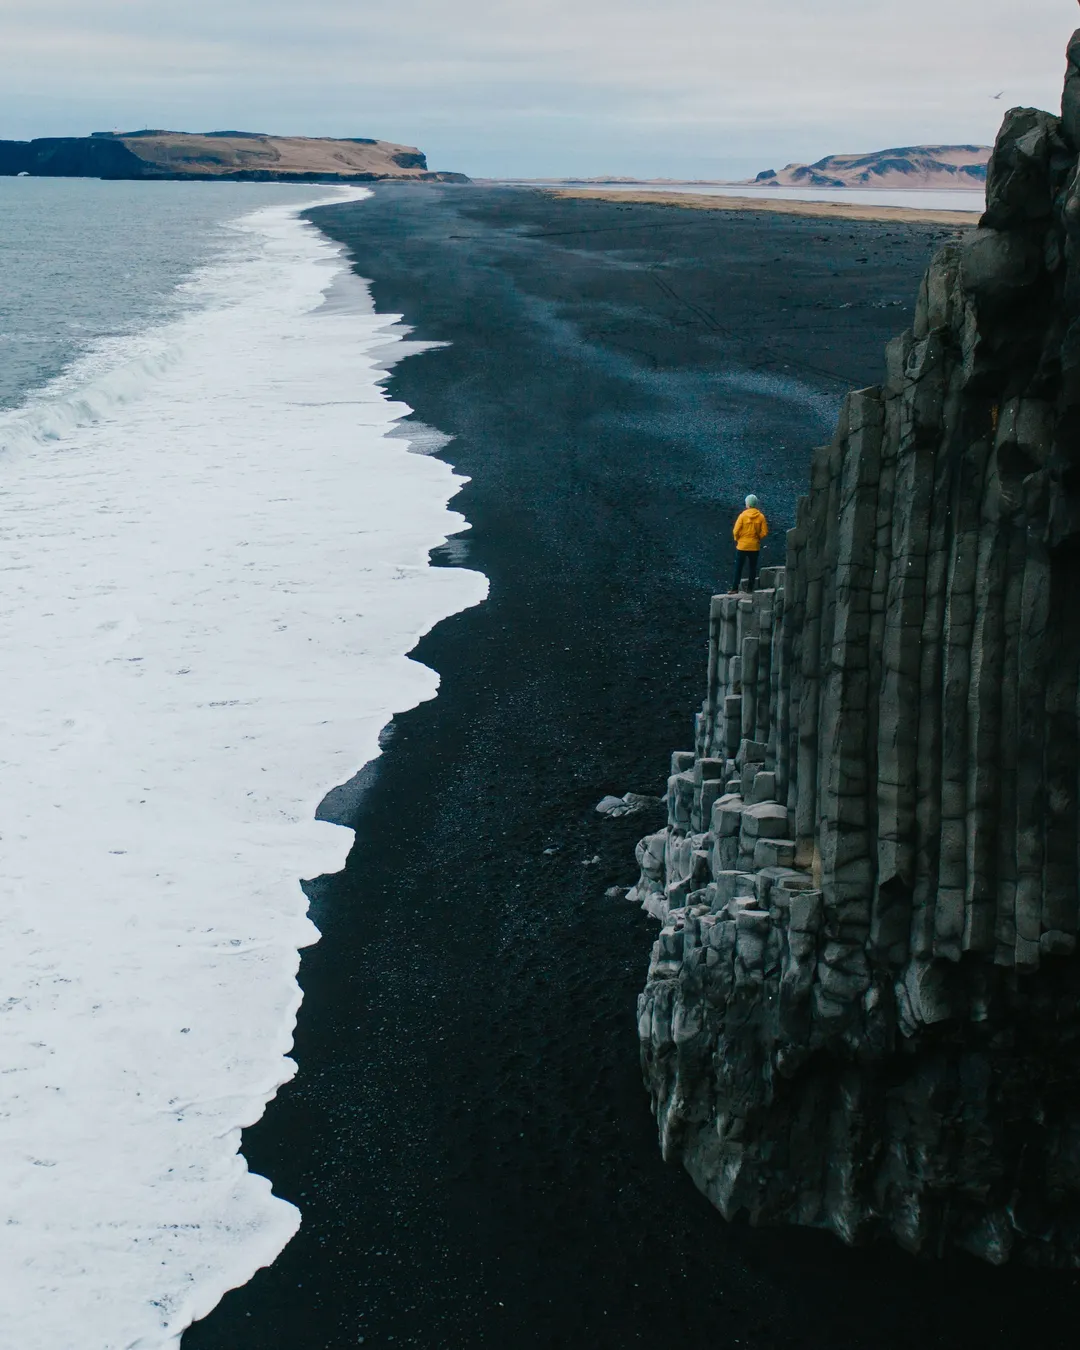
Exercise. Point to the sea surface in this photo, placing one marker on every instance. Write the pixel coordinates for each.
(214, 537)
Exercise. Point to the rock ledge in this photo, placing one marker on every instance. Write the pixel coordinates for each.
(863, 1009)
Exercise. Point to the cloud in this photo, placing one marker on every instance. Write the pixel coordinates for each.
(540, 86)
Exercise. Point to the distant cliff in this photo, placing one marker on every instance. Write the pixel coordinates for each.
(863, 1010)
(912, 166)
(234, 155)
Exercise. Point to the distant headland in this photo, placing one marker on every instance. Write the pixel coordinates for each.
(236, 156)
(912, 166)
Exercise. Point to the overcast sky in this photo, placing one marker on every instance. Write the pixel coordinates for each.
(696, 88)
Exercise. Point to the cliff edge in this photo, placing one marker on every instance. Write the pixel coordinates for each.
(863, 1010)
(242, 156)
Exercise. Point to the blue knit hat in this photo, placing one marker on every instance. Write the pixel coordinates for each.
(751, 500)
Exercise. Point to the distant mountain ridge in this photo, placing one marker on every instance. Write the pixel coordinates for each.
(912, 166)
(245, 156)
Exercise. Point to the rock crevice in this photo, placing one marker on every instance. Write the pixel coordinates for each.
(863, 1010)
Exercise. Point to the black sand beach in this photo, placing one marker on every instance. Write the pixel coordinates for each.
(468, 1137)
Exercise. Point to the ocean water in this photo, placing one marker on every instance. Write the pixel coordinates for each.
(213, 542)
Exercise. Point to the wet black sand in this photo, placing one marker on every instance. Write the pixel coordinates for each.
(467, 1136)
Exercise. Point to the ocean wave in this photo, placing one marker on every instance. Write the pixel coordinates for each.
(215, 561)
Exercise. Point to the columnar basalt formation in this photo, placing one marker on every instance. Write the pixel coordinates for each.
(863, 1010)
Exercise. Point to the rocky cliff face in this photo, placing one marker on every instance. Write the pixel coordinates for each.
(235, 155)
(863, 1010)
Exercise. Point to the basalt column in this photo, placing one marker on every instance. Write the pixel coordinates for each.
(863, 1010)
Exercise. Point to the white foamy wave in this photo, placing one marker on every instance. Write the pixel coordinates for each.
(215, 558)
(112, 373)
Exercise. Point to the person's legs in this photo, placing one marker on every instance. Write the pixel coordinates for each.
(752, 559)
(740, 558)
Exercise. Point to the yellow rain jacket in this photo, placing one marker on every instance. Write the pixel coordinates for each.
(750, 529)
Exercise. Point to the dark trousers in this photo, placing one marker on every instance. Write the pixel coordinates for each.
(748, 557)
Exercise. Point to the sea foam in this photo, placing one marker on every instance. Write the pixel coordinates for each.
(214, 559)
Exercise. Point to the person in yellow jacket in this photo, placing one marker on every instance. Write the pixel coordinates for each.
(750, 529)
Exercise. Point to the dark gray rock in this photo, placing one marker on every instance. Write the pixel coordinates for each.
(863, 1012)
(996, 264)
(1018, 179)
(1070, 99)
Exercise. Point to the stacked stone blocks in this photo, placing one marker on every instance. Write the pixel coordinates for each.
(864, 1008)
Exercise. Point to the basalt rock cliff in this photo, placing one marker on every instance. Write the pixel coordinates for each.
(238, 156)
(863, 1010)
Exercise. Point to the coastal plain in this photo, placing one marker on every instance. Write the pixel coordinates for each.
(467, 1137)
(838, 210)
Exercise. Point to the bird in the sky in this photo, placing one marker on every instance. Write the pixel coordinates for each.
(997, 96)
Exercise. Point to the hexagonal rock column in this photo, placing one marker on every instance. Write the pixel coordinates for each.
(863, 1011)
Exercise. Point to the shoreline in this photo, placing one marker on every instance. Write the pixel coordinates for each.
(819, 210)
(162, 695)
(468, 1136)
